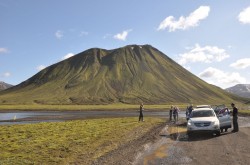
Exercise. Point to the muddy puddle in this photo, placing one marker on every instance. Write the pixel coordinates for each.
(162, 151)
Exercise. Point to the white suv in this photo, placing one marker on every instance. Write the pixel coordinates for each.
(203, 120)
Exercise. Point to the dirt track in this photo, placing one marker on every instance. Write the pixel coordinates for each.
(169, 144)
(229, 148)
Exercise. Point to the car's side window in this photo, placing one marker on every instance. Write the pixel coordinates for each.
(227, 112)
(224, 111)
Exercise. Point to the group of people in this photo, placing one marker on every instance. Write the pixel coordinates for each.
(174, 111)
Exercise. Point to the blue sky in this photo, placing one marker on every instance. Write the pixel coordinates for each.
(209, 38)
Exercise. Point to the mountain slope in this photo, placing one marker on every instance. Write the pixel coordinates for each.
(242, 90)
(130, 74)
(4, 85)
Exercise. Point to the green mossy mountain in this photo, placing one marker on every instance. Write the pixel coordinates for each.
(131, 74)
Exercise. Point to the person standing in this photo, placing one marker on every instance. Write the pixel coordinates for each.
(175, 114)
(235, 118)
(141, 112)
(171, 112)
(187, 112)
(190, 109)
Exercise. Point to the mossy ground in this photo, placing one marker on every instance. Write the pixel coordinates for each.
(66, 142)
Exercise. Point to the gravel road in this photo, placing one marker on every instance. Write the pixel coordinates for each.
(176, 148)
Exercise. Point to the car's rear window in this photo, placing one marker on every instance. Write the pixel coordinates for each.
(203, 113)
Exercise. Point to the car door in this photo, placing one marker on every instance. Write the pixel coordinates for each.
(224, 118)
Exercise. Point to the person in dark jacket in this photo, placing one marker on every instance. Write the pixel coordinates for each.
(141, 112)
(235, 118)
(189, 110)
(175, 113)
(171, 112)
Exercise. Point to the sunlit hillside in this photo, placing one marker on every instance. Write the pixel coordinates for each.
(130, 74)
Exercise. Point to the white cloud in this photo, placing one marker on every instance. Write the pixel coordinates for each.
(84, 33)
(68, 56)
(7, 74)
(40, 67)
(59, 34)
(221, 78)
(244, 16)
(206, 54)
(4, 50)
(241, 63)
(122, 36)
(185, 22)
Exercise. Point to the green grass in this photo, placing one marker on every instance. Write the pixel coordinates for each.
(244, 112)
(68, 142)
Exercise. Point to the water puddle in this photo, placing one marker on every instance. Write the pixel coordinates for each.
(177, 132)
(12, 118)
(161, 151)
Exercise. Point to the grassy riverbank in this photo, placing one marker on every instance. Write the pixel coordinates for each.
(65, 142)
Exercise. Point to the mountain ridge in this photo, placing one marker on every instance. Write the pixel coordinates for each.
(130, 74)
(4, 85)
(242, 90)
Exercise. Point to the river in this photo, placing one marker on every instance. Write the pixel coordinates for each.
(24, 117)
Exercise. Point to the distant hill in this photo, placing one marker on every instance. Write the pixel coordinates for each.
(4, 85)
(130, 74)
(242, 90)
